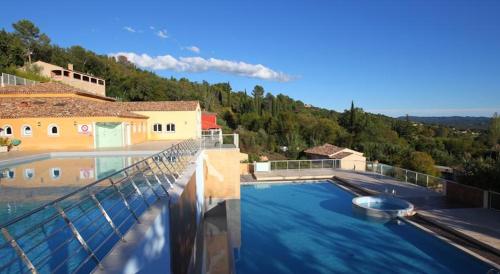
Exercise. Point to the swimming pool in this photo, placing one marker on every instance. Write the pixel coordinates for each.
(29, 185)
(311, 228)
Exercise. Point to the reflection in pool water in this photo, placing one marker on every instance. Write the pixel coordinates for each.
(26, 186)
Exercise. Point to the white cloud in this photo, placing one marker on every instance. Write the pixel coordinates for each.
(162, 34)
(199, 64)
(151, 27)
(129, 29)
(194, 49)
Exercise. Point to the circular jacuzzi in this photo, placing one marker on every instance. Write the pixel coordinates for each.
(382, 206)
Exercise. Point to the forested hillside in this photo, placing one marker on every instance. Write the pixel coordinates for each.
(268, 122)
(458, 122)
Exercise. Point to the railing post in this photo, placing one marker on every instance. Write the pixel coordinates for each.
(147, 181)
(106, 216)
(77, 235)
(156, 176)
(427, 181)
(137, 189)
(124, 200)
(19, 251)
(172, 170)
(416, 178)
(406, 175)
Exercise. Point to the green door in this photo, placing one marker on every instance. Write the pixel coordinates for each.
(108, 135)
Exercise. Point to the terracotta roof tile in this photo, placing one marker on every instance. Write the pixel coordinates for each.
(60, 107)
(160, 106)
(325, 150)
(341, 155)
(49, 88)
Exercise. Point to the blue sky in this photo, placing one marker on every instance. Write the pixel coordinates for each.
(392, 57)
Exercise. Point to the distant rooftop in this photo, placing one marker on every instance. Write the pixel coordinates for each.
(33, 107)
(325, 150)
(159, 106)
(50, 88)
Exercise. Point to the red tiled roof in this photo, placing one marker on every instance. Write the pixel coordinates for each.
(160, 106)
(21, 107)
(50, 88)
(341, 155)
(325, 150)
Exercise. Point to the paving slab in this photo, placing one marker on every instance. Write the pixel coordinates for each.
(480, 224)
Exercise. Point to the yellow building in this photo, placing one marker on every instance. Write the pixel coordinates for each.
(56, 116)
(168, 120)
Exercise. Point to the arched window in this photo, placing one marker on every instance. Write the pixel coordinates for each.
(55, 173)
(53, 130)
(170, 127)
(7, 130)
(26, 130)
(157, 128)
(29, 173)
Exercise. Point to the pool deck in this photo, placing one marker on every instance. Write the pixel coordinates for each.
(479, 225)
(149, 147)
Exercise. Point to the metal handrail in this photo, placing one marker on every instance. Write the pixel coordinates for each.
(414, 177)
(74, 192)
(125, 187)
(219, 140)
(331, 163)
(9, 79)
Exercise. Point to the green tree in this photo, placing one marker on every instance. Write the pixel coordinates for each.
(422, 162)
(494, 131)
(258, 93)
(30, 36)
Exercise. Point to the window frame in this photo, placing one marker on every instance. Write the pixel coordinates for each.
(49, 130)
(170, 128)
(26, 170)
(52, 170)
(23, 128)
(5, 130)
(157, 128)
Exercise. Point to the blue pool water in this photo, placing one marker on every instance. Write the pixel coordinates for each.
(310, 228)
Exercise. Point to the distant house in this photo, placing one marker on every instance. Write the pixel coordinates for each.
(209, 124)
(68, 76)
(349, 159)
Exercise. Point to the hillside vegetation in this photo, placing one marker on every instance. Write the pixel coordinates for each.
(458, 122)
(267, 123)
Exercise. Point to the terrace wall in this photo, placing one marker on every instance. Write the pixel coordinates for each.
(467, 195)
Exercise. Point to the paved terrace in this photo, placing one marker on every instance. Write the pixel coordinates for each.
(476, 224)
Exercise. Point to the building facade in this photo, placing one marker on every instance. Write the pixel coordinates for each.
(56, 116)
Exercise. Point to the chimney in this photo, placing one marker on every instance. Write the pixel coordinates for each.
(70, 67)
